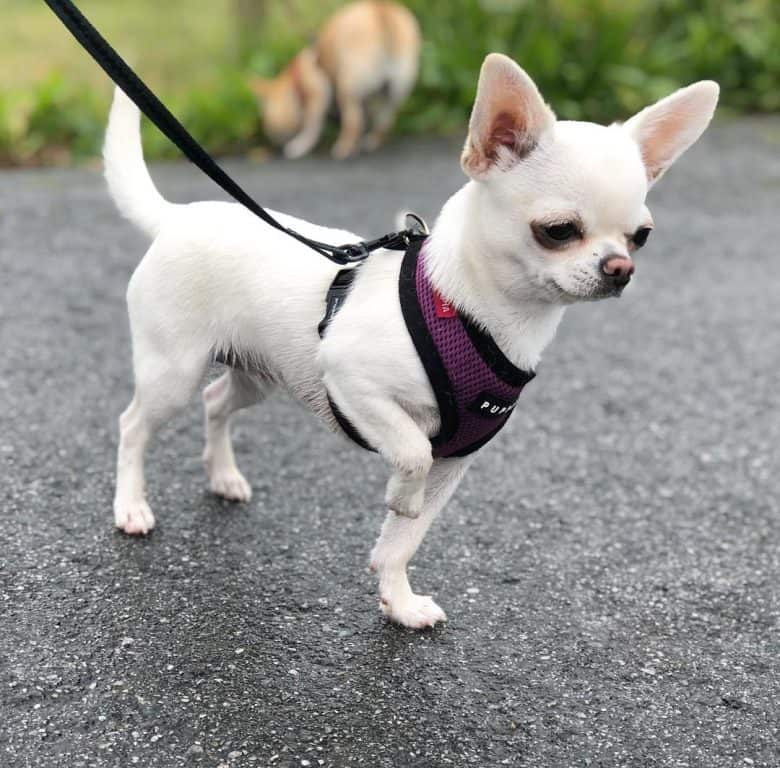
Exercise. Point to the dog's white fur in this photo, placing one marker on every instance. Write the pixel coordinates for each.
(217, 278)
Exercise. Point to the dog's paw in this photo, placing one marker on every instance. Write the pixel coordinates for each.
(342, 150)
(372, 141)
(414, 611)
(296, 148)
(134, 518)
(230, 484)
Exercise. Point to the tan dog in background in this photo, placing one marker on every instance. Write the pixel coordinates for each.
(365, 58)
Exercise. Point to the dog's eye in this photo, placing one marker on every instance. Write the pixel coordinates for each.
(641, 235)
(556, 235)
(562, 232)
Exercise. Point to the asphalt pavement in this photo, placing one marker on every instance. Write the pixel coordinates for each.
(610, 566)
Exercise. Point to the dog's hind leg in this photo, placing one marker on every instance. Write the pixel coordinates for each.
(384, 107)
(229, 393)
(399, 540)
(382, 114)
(352, 122)
(163, 385)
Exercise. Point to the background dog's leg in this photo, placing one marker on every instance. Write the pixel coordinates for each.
(351, 114)
(384, 107)
(223, 397)
(399, 540)
(382, 114)
(162, 387)
(313, 117)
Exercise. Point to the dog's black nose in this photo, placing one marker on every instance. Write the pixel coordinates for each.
(617, 269)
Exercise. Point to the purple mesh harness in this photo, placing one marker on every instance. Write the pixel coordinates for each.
(475, 385)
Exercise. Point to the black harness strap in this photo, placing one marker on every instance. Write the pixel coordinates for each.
(337, 295)
(118, 70)
(426, 349)
(347, 426)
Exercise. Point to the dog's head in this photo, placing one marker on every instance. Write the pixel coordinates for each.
(279, 105)
(561, 205)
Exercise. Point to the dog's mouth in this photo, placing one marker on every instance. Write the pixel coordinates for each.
(611, 292)
(595, 292)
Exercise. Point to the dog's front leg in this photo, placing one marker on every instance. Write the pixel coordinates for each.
(397, 437)
(408, 450)
(314, 113)
(399, 540)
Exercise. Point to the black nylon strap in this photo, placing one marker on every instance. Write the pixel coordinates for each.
(425, 346)
(118, 70)
(337, 295)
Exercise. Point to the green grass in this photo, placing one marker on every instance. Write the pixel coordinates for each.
(174, 43)
(593, 59)
(54, 98)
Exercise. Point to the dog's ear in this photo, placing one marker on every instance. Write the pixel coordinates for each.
(508, 118)
(667, 128)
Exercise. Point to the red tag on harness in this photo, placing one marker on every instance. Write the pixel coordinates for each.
(443, 307)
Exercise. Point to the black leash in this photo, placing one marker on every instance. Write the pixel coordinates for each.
(118, 70)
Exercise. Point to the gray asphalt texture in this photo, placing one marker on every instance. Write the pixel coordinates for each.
(610, 566)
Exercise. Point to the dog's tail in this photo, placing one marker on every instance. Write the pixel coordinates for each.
(128, 179)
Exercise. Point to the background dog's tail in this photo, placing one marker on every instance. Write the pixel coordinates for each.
(128, 179)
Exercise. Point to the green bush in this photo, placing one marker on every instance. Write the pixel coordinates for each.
(593, 59)
(223, 116)
(65, 117)
(6, 133)
(598, 59)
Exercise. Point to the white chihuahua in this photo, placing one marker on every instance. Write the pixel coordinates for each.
(550, 216)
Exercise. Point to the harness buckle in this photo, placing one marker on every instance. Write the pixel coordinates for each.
(356, 252)
(416, 229)
(416, 224)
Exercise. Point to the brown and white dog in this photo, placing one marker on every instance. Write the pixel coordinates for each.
(365, 59)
